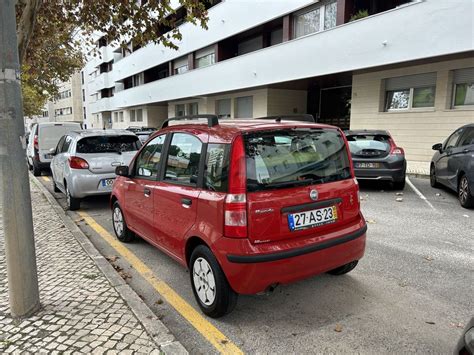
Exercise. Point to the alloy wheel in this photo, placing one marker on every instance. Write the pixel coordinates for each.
(463, 190)
(432, 175)
(118, 221)
(204, 281)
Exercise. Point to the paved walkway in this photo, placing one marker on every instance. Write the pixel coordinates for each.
(81, 311)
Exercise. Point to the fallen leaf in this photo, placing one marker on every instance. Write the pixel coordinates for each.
(429, 258)
(370, 221)
(438, 194)
(125, 275)
(112, 258)
(465, 215)
(403, 283)
(399, 199)
(160, 301)
(338, 328)
(429, 322)
(79, 220)
(224, 341)
(457, 325)
(399, 193)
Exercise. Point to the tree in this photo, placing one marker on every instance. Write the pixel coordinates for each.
(53, 36)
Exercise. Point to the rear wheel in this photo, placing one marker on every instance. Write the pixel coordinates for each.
(210, 286)
(55, 187)
(399, 185)
(433, 181)
(36, 169)
(120, 227)
(72, 203)
(344, 269)
(464, 193)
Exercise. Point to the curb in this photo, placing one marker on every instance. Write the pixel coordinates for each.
(160, 334)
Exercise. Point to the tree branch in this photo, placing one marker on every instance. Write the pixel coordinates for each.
(26, 26)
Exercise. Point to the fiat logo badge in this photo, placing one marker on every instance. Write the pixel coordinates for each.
(313, 194)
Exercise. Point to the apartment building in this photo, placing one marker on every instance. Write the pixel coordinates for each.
(67, 105)
(406, 66)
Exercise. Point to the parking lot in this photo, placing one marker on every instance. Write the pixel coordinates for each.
(411, 292)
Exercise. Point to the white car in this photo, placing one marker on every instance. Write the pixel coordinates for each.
(84, 162)
(43, 137)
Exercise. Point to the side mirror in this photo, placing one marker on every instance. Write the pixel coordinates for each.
(122, 170)
(52, 151)
(438, 147)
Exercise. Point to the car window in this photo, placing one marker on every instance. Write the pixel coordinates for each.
(217, 165)
(365, 144)
(453, 139)
(148, 162)
(467, 138)
(108, 144)
(183, 159)
(67, 144)
(59, 147)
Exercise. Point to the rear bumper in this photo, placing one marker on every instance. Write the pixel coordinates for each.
(82, 184)
(250, 271)
(381, 174)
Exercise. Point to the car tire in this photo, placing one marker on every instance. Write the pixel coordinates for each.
(72, 203)
(205, 272)
(344, 269)
(121, 230)
(464, 193)
(399, 185)
(55, 187)
(36, 169)
(433, 181)
(30, 167)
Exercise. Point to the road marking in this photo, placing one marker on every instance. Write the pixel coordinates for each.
(46, 178)
(418, 192)
(223, 344)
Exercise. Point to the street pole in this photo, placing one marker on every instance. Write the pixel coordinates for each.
(14, 181)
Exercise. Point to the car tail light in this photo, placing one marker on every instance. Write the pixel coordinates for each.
(78, 163)
(235, 210)
(35, 142)
(394, 150)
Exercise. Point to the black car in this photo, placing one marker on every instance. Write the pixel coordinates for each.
(465, 345)
(453, 164)
(377, 157)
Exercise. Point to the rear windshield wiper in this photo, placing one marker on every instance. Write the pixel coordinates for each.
(257, 186)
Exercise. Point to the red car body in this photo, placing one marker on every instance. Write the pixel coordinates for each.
(247, 231)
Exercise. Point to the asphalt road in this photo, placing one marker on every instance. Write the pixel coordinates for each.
(413, 290)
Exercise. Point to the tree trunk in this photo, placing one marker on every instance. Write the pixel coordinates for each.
(26, 26)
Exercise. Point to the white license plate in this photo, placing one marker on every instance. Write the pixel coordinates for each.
(107, 182)
(367, 165)
(313, 218)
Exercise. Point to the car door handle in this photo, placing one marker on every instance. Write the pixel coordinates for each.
(186, 202)
(465, 150)
(147, 192)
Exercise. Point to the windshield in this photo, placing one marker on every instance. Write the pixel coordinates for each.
(286, 158)
(363, 144)
(108, 144)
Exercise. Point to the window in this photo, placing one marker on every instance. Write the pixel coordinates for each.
(452, 141)
(244, 107)
(140, 115)
(205, 57)
(468, 138)
(67, 144)
(183, 159)
(59, 147)
(223, 108)
(315, 19)
(148, 162)
(276, 36)
(217, 165)
(132, 115)
(115, 116)
(121, 116)
(193, 108)
(463, 87)
(410, 92)
(181, 65)
(250, 45)
(108, 144)
(179, 110)
(180, 70)
(83, 95)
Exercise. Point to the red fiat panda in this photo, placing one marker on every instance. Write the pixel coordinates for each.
(244, 204)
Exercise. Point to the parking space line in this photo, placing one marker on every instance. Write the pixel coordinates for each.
(418, 192)
(46, 178)
(223, 344)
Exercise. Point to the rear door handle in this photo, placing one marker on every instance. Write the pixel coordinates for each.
(146, 191)
(465, 150)
(186, 202)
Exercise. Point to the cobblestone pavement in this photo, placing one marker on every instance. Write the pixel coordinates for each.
(81, 311)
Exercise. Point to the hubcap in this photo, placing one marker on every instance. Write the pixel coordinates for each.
(118, 221)
(204, 281)
(463, 190)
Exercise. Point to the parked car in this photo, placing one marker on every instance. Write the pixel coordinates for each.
(136, 129)
(43, 137)
(377, 157)
(452, 164)
(144, 135)
(84, 162)
(244, 204)
(465, 345)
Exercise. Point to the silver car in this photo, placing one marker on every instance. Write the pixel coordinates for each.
(84, 162)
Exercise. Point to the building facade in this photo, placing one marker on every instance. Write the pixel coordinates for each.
(67, 105)
(406, 66)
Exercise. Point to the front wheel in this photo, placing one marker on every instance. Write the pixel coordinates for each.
(210, 286)
(344, 269)
(433, 181)
(464, 193)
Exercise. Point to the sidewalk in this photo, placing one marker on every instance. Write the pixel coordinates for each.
(82, 310)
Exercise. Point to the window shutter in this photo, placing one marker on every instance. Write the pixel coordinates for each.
(410, 81)
(180, 62)
(464, 76)
(205, 51)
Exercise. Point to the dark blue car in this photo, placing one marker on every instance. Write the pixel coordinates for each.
(453, 164)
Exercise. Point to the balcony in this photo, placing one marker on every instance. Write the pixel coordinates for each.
(102, 81)
(101, 105)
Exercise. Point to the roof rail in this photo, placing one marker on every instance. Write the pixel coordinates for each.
(212, 120)
(303, 117)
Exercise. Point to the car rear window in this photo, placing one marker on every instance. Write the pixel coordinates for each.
(363, 144)
(108, 144)
(286, 158)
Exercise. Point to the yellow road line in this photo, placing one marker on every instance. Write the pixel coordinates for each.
(223, 344)
(46, 178)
